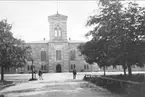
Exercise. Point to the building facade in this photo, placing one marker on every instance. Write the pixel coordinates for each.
(58, 54)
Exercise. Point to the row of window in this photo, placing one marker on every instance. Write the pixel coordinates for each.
(86, 66)
(73, 66)
(29, 67)
(72, 55)
(58, 55)
(7, 69)
(43, 67)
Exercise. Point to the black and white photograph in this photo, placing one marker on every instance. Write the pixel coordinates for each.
(72, 48)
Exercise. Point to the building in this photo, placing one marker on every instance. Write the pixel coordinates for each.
(58, 54)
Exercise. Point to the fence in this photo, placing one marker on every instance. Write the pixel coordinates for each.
(133, 89)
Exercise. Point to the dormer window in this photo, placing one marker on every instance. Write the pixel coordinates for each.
(57, 31)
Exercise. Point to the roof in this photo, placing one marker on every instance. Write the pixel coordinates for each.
(47, 41)
(75, 41)
(41, 41)
(57, 15)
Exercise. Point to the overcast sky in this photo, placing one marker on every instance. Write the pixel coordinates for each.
(30, 18)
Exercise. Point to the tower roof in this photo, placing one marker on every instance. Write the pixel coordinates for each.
(57, 15)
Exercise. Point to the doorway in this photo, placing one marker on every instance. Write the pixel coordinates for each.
(58, 68)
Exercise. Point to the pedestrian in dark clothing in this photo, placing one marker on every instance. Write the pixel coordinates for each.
(40, 75)
(74, 74)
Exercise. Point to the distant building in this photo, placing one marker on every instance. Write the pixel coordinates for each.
(58, 54)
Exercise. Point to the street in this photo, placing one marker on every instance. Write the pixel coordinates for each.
(56, 85)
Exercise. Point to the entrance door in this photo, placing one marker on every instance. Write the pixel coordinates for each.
(58, 68)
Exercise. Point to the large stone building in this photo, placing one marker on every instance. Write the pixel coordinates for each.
(58, 54)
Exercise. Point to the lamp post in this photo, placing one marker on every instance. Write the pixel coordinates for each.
(32, 68)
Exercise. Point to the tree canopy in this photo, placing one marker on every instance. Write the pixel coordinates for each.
(13, 52)
(118, 35)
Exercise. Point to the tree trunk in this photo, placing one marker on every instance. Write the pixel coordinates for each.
(124, 69)
(104, 70)
(2, 73)
(129, 70)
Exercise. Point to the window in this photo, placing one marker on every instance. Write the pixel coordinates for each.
(84, 66)
(58, 54)
(87, 66)
(28, 67)
(44, 67)
(41, 67)
(57, 31)
(43, 55)
(31, 67)
(73, 66)
(72, 55)
(29, 57)
(29, 54)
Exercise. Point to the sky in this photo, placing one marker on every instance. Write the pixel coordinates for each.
(30, 18)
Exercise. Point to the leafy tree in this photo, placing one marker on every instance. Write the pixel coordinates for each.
(12, 50)
(132, 38)
(104, 33)
(122, 31)
(96, 51)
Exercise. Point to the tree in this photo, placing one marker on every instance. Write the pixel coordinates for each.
(12, 50)
(122, 29)
(96, 51)
(106, 25)
(132, 38)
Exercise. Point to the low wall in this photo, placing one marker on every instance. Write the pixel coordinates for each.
(132, 89)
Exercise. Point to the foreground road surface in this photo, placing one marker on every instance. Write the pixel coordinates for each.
(57, 85)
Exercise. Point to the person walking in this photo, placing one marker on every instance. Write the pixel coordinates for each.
(40, 75)
(74, 74)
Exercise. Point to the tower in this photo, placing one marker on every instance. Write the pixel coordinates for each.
(58, 45)
(57, 28)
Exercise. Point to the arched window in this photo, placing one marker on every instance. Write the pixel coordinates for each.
(57, 31)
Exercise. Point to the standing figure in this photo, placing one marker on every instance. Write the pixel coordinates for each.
(74, 74)
(40, 75)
